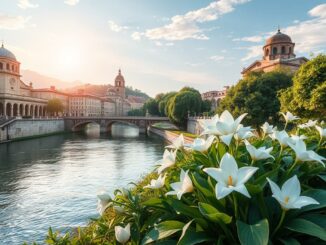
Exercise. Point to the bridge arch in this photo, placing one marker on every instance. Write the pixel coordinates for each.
(81, 125)
(108, 125)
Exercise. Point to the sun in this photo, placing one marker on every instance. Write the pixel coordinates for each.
(70, 57)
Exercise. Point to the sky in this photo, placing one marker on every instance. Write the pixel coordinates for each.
(160, 46)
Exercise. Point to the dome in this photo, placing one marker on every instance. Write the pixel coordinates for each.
(279, 37)
(5, 53)
(119, 77)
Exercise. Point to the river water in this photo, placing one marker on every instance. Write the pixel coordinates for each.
(53, 181)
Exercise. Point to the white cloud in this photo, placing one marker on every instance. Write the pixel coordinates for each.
(296, 21)
(137, 35)
(115, 27)
(187, 26)
(217, 57)
(254, 51)
(13, 22)
(253, 39)
(308, 36)
(159, 44)
(24, 4)
(71, 2)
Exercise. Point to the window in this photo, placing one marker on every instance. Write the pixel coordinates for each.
(267, 52)
(290, 50)
(274, 50)
(1, 66)
(283, 50)
(7, 66)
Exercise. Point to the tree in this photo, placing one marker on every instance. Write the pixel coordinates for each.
(151, 106)
(136, 112)
(162, 105)
(181, 104)
(54, 106)
(307, 97)
(256, 95)
(206, 106)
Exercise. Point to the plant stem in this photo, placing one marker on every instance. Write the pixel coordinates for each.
(292, 167)
(252, 162)
(280, 222)
(235, 204)
(286, 124)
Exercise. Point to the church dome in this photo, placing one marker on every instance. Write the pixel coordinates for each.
(279, 37)
(5, 53)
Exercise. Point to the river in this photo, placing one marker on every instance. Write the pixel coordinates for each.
(53, 181)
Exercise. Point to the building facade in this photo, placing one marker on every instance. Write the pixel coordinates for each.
(215, 96)
(18, 99)
(278, 52)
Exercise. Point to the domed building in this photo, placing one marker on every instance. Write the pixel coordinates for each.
(278, 52)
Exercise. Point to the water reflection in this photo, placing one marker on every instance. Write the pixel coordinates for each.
(53, 181)
(123, 130)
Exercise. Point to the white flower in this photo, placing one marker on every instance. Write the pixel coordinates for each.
(308, 124)
(122, 234)
(289, 117)
(282, 137)
(302, 154)
(243, 133)
(289, 196)
(202, 145)
(209, 125)
(267, 129)
(167, 161)
(177, 143)
(156, 183)
(321, 131)
(295, 138)
(229, 178)
(260, 153)
(182, 187)
(103, 202)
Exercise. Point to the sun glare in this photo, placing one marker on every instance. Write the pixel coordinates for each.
(70, 57)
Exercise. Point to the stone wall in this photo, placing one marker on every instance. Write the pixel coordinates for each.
(193, 126)
(25, 128)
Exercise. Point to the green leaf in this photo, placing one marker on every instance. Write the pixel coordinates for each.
(307, 227)
(213, 214)
(184, 209)
(191, 238)
(290, 241)
(323, 177)
(163, 230)
(319, 195)
(257, 234)
(318, 219)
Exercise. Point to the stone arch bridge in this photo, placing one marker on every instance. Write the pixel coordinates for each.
(78, 123)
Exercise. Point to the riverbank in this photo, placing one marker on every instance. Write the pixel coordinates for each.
(170, 135)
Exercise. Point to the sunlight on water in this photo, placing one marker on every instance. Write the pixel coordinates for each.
(53, 181)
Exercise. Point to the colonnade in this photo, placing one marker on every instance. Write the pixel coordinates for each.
(12, 109)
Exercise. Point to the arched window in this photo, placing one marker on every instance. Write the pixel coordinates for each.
(290, 50)
(283, 50)
(274, 50)
(7, 66)
(1, 66)
(12, 68)
(267, 52)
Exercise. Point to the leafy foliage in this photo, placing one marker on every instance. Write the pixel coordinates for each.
(54, 106)
(256, 94)
(307, 97)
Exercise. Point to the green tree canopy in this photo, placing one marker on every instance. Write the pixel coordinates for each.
(151, 106)
(54, 106)
(256, 95)
(307, 97)
(162, 105)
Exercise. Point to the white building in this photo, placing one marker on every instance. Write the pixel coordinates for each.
(215, 96)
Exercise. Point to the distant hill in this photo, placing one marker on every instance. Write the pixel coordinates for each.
(43, 81)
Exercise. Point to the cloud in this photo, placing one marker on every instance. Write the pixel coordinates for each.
(136, 35)
(71, 2)
(159, 44)
(253, 39)
(13, 22)
(217, 57)
(254, 51)
(308, 36)
(187, 26)
(115, 27)
(24, 4)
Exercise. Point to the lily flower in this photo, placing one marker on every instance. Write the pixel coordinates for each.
(182, 187)
(267, 129)
(289, 117)
(282, 137)
(122, 234)
(294, 138)
(177, 143)
(156, 183)
(302, 154)
(308, 124)
(167, 161)
(289, 196)
(229, 178)
(201, 144)
(104, 200)
(209, 125)
(258, 153)
(321, 131)
(243, 133)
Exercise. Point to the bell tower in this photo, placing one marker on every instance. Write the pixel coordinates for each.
(119, 85)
